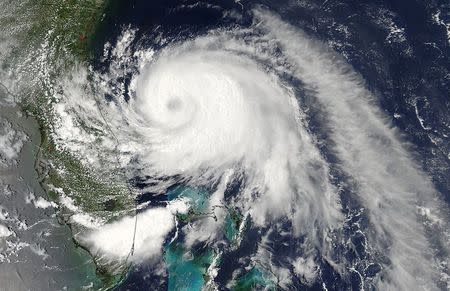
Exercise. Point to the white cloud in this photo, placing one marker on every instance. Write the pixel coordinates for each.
(195, 115)
(11, 142)
(113, 241)
(4, 231)
(389, 182)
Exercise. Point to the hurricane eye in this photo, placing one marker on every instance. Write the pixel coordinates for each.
(215, 145)
(174, 104)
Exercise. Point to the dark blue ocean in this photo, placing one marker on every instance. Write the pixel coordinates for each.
(401, 49)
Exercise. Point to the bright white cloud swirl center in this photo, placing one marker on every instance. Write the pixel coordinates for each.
(200, 112)
(216, 105)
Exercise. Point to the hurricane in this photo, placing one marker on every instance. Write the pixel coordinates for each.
(249, 146)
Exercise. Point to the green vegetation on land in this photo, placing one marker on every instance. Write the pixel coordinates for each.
(68, 28)
(46, 39)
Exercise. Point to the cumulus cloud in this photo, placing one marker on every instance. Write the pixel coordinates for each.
(194, 115)
(114, 241)
(11, 142)
(4, 231)
(389, 183)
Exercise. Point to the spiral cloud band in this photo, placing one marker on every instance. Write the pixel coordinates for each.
(219, 108)
(201, 114)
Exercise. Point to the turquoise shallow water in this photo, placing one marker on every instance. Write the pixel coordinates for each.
(230, 228)
(198, 197)
(255, 279)
(186, 269)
